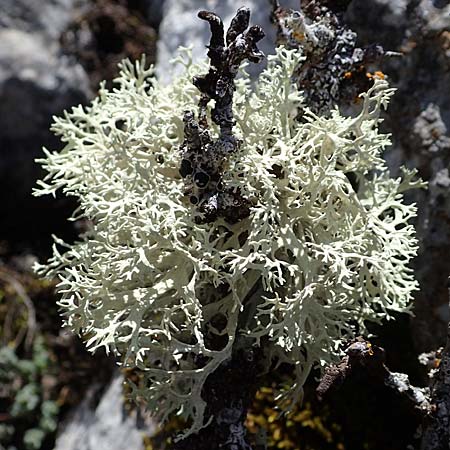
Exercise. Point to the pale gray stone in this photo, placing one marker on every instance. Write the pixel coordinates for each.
(106, 426)
(36, 82)
(49, 18)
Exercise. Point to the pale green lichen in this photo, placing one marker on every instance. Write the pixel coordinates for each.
(317, 257)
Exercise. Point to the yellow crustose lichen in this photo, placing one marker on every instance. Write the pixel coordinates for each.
(325, 248)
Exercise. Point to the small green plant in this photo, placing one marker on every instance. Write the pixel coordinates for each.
(325, 246)
(30, 417)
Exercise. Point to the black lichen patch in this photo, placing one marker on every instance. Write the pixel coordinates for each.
(203, 158)
(335, 70)
(186, 168)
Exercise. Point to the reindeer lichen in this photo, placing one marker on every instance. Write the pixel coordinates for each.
(325, 246)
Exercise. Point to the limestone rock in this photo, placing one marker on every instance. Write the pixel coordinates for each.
(47, 18)
(36, 82)
(106, 426)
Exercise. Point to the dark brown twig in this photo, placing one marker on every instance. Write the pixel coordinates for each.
(203, 158)
(229, 393)
(362, 356)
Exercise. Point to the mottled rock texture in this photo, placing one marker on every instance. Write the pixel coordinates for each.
(36, 82)
(48, 18)
(53, 54)
(419, 120)
(108, 32)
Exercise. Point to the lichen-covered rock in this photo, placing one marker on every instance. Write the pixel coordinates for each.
(326, 245)
(334, 70)
(419, 120)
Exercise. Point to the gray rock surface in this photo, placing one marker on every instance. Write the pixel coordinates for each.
(105, 426)
(36, 82)
(182, 27)
(154, 10)
(35, 77)
(419, 120)
(48, 18)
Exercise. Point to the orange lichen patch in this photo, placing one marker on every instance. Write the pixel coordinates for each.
(298, 35)
(348, 75)
(445, 40)
(379, 74)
